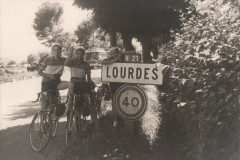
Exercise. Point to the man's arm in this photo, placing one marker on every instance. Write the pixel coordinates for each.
(109, 61)
(89, 79)
(88, 72)
(40, 71)
(42, 68)
(68, 60)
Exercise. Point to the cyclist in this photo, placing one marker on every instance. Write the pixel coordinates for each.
(113, 56)
(80, 70)
(51, 70)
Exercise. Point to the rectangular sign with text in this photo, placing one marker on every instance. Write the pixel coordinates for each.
(132, 73)
(132, 58)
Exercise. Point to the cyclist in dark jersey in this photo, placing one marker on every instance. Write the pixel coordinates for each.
(113, 56)
(81, 80)
(51, 70)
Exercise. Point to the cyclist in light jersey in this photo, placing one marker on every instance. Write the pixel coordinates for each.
(51, 70)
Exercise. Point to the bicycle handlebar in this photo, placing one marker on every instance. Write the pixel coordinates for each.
(49, 91)
(37, 98)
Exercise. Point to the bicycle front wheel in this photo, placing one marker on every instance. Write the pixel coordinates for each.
(73, 128)
(40, 131)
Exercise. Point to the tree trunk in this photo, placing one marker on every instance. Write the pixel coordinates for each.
(113, 39)
(155, 50)
(127, 42)
(146, 49)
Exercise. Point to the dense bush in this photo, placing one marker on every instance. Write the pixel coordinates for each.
(200, 93)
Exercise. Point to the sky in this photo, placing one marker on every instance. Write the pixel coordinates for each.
(17, 37)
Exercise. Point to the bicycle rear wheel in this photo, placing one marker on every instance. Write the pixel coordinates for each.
(40, 131)
(54, 120)
(54, 127)
(73, 128)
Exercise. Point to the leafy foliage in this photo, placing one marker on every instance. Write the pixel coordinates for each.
(143, 19)
(89, 36)
(47, 25)
(47, 22)
(202, 81)
(84, 32)
(31, 59)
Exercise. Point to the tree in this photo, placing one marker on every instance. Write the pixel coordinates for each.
(31, 59)
(47, 23)
(12, 62)
(143, 19)
(84, 32)
(88, 35)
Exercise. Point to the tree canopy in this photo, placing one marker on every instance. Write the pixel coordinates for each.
(47, 25)
(143, 19)
(84, 32)
(47, 22)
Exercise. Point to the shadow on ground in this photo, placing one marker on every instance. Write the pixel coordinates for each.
(110, 143)
(26, 110)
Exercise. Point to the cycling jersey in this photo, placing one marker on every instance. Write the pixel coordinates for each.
(53, 67)
(78, 70)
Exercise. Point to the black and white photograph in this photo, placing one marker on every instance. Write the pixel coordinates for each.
(120, 79)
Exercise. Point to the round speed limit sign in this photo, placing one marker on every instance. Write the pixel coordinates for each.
(130, 102)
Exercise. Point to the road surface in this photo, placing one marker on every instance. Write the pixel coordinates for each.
(16, 107)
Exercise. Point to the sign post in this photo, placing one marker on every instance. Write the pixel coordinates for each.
(130, 101)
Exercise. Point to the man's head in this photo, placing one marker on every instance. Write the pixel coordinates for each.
(79, 53)
(56, 50)
(113, 52)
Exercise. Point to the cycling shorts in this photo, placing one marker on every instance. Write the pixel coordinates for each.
(52, 85)
(82, 87)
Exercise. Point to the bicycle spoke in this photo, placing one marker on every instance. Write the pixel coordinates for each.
(40, 132)
(72, 129)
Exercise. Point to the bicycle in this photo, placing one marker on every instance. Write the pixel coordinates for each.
(103, 93)
(76, 126)
(45, 122)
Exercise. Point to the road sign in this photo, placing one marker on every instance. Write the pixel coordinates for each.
(140, 73)
(130, 102)
(132, 58)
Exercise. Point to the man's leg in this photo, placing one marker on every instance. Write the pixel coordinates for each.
(70, 100)
(63, 85)
(44, 101)
(44, 106)
(112, 90)
(114, 113)
(92, 110)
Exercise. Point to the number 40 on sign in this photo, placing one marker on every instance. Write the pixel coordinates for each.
(130, 102)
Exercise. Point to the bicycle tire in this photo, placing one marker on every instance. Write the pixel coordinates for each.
(73, 128)
(54, 128)
(85, 128)
(54, 120)
(43, 131)
(99, 98)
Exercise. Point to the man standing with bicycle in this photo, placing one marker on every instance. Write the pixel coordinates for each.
(113, 56)
(51, 70)
(80, 70)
